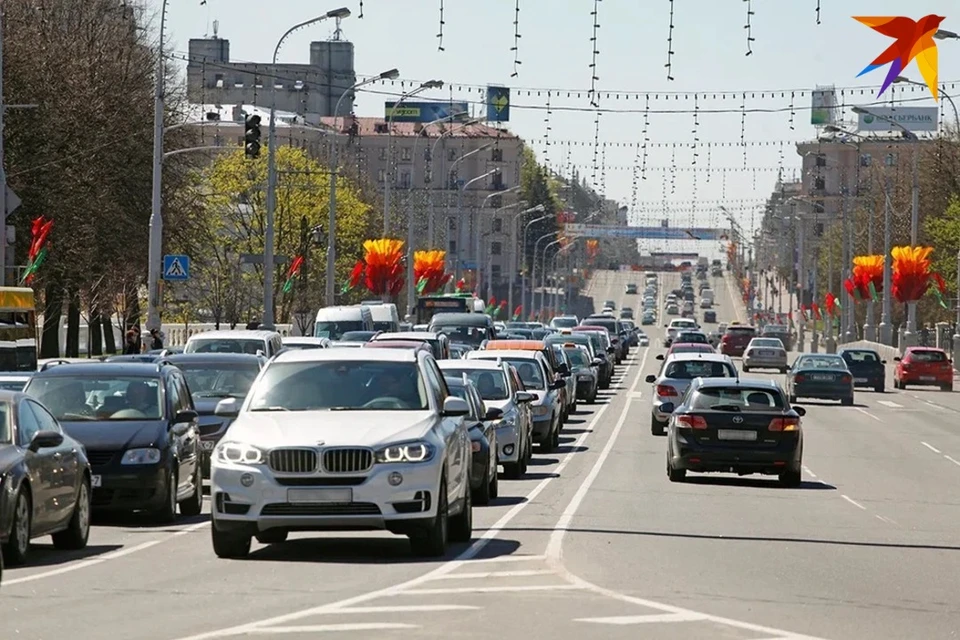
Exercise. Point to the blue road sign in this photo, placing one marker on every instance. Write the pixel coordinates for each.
(498, 104)
(176, 267)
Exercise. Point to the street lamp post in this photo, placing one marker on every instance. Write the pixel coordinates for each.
(956, 114)
(523, 278)
(483, 275)
(460, 234)
(388, 177)
(533, 270)
(543, 275)
(331, 275)
(956, 328)
(433, 153)
(268, 260)
(886, 321)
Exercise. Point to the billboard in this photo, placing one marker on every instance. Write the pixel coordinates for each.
(824, 107)
(911, 118)
(425, 112)
(498, 104)
(649, 233)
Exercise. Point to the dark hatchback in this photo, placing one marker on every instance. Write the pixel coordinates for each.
(617, 333)
(867, 367)
(212, 377)
(140, 430)
(823, 376)
(480, 422)
(735, 426)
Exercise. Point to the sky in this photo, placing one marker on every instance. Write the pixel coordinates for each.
(796, 46)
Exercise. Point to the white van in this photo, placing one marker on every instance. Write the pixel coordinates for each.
(333, 322)
(235, 341)
(385, 315)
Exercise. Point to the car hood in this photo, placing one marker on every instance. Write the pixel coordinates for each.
(9, 456)
(117, 434)
(332, 428)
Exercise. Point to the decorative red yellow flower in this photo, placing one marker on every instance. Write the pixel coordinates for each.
(911, 272)
(429, 271)
(384, 260)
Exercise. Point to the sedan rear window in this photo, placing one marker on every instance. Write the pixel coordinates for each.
(855, 357)
(822, 362)
(690, 369)
(741, 331)
(737, 399)
(927, 356)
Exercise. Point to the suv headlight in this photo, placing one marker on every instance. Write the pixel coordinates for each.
(148, 455)
(407, 452)
(239, 453)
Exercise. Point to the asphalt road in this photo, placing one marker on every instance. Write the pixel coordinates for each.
(595, 541)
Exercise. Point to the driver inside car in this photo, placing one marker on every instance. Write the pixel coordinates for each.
(395, 385)
(141, 398)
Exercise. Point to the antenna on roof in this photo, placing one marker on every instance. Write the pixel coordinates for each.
(337, 31)
(216, 28)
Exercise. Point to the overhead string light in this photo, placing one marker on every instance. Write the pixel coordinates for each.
(646, 139)
(818, 12)
(361, 10)
(696, 130)
(673, 171)
(709, 169)
(603, 171)
(546, 133)
(516, 40)
(749, 27)
(669, 64)
(717, 144)
(743, 128)
(594, 40)
(440, 32)
(596, 149)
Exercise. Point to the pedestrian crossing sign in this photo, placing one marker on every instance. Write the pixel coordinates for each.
(176, 267)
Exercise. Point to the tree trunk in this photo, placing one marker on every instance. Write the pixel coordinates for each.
(73, 325)
(132, 307)
(109, 341)
(94, 333)
(50, 337)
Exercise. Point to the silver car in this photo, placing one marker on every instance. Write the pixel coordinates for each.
(675, 376)
(765, 353)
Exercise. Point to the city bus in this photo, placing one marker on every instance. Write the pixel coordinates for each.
(18, 329)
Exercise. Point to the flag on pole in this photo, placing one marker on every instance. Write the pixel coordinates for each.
(873, 292)
(517, 313)
(292, 273)
(355, 277)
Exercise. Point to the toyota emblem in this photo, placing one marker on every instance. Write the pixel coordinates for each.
(737, 419)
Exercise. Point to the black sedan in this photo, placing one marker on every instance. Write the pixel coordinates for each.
(139, 427)
(484, 482)
(44, 480)
(866, 366)
(823, 376)
(735, 426)
(212, 377)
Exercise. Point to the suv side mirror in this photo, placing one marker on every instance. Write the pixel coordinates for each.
(800, 411)
(187, 415)
(650, 379)
(46, 440)
(493, 413)
(563, 369)
(611, 349)
(659, 356)
(454, 406)
(523, 397)
(558, 384)
(897, 359)
(227, 408)
(596, 362)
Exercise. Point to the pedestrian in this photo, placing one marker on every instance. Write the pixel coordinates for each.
(130, 345)
(156, 339)
(925, 335)
(139, 340)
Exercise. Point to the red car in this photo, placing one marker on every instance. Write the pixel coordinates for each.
(924, 365)
(734, 342)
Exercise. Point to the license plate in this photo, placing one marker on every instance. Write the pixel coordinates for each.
(208, 445)
(928, 378)
(320, 496)
(95, 481)
(860, 380)
(821, 376)
(768, 353)
(736, 434)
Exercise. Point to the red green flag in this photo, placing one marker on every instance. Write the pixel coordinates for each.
(292, 273)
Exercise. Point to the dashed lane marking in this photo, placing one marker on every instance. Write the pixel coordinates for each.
(931, 447)
(867, 413)
(658, 618)
(347, 626)
(953, 460)
(524, 587)
(890, 403)
(853, 502)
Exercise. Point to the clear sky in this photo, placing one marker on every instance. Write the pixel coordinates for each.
(791, 53)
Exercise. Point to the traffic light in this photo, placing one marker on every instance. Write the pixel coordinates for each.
(251, 136)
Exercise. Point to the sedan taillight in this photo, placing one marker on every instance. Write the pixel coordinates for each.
(691, 422)
(665, 390)
(784, 424)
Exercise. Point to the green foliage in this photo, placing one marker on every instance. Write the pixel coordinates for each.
(537, 188)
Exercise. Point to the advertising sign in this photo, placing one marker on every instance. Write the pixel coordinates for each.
(498, 104)
(911, 118)
(424, 112)
(649, 233)
(824, 111)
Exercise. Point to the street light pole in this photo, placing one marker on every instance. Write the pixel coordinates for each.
(433, 153)
(155, 242)
(523, 278)
(331, 275)
(268, 259)
(533, 270)
(886, 323)
(483, 275)
(869, 330)
(460, 234)
(543, 276)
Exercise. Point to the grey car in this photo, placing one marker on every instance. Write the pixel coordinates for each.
(678, 371)
(765, 353)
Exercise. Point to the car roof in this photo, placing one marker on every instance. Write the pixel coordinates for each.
(338, 354)
(479, 365)
(699, 355)
(407, 335)
(515, 345)
(106, 369)
(11, 396)
(515, 354)
(235, 334)
(751, 383)
(178, 358)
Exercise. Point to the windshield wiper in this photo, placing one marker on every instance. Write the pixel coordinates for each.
(341, 408)
(273, 408)
(727, 407)
(213, 394)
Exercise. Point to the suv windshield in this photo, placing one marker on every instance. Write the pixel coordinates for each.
(491, 385)
(357, 336)
(318, 386)
(89, 397)
(335, 330)
(225, 345)
(856, 357)
(578, 357)
(462, 334)
(564, 323)
(218, 380)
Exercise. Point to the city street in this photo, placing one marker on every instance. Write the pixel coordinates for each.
(594, 542)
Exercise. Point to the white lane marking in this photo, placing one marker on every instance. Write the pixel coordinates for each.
(890, 403)
(733, 301)
(467, 555)
(347, 626)
(886, 519)
(413, 608)
(953, 460)
(810, 473)
(867, 413)
(482, 575)
(931, 447)
(527, 587)
(652, 618)
(513, 558)
(555, 543)
(853, 502)
(113, 555)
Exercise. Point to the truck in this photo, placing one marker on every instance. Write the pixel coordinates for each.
(427, 306)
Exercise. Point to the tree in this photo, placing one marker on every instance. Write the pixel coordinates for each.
(536, 189)
(229, 219)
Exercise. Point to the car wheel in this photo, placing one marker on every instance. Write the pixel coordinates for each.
(273, 536)
(657, 428)
(431, 541)
(482, 494)
(746, 368)
(78, 531)
(790, 478)
(674, 474)
(229, 544)
(878, 388)
(947, 387)
(193, 505)
(511, 470)
(461, 525)
(792, 399)
(903, 385)
(18, 543)
(548, 445)
(168, 512)
(847, 402)
(494, 485)
(783, 370)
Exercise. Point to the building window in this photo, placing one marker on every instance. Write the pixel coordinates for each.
(496, 155)
(427, 155)
(821, 160)
(452, 246)
(405, 180)
(818, 206)
(865, 160)
(406, 154)
(495, 272)
(497, 225)
(819, 184)
(383, 153)
(452, 224)
(496, 249)
(452, 155)
(497, 182)
(890, 160)
(454, 180)
(382, 175)
(496, 202)
(818, 229)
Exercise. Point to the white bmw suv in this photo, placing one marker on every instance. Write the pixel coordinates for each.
(343, 439)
